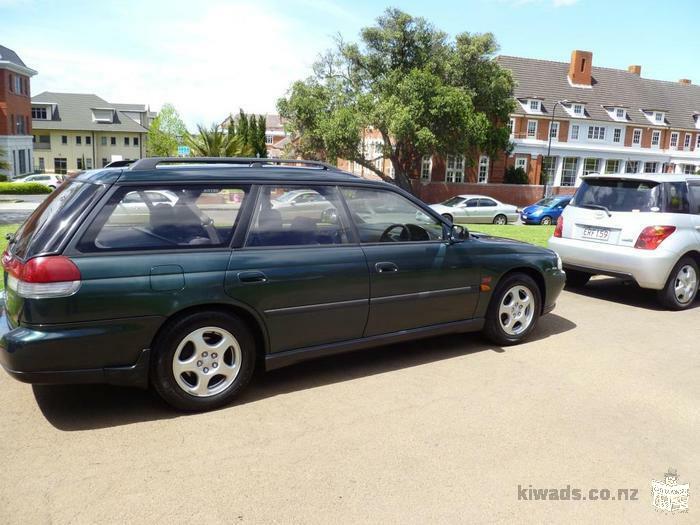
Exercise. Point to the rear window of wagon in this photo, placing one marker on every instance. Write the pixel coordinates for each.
(619, 195)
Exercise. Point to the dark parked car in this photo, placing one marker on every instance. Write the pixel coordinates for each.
(187, 277)
(545, 211)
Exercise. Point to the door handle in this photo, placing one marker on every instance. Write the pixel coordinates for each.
(252, 277)
(386, 267)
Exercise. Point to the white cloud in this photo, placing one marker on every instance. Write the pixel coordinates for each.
(207, 62)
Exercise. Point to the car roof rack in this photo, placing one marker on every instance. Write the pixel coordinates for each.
(251, 162)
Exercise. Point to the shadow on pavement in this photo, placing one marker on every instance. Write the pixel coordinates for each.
(622, 292)
(84, 407)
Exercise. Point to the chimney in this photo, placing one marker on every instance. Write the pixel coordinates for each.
(685, 81)
(580, 67)
(636, 70)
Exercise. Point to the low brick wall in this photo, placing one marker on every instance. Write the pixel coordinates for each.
(516, 194)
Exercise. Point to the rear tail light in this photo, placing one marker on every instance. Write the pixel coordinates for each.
(560, 227)
(652, 236)
(41, 277)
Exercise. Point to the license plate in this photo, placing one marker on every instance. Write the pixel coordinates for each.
(597, 234)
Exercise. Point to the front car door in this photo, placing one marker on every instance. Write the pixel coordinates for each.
(471, 210)
(303, 273)
(417, 279)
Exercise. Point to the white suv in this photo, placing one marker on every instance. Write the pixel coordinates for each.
(643, 227)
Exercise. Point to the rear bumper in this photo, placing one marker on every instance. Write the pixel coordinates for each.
(114, 352)
(649, 268)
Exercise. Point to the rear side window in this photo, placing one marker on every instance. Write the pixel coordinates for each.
(619, 195)
(694, 190)
(48, 226)
(676, 198)
(166, 217)
(298, 216)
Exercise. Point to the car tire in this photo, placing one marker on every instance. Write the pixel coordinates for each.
(577, 279)
(513, 311)
(546, 220)
(190, 344)
(500, 219)
(52, 187)
(681, 288)
(448, 217)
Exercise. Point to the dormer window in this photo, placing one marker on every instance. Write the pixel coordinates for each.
(105, 115)
(578, 109)
(535, 105)
(658, 116)
(655, 116)
(620, 113)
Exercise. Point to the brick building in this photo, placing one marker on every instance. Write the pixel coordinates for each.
(276, 138)
(601, 120)
(15, 112)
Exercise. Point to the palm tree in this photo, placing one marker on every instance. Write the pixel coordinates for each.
(4, 165)
(214, 142)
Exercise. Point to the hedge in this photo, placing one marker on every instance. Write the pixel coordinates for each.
(23, 188)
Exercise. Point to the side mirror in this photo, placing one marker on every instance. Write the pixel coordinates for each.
(458, 234)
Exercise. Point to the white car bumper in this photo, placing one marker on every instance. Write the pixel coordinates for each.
(649, 268)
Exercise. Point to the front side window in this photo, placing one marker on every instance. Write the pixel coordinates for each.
(294, 216)
(385, 216)
(167, 217)
(677, 198)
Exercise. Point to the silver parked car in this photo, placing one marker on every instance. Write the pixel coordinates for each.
(643, 227)
(476, 209)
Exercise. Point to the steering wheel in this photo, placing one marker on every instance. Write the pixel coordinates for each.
(405, 234)
(417, 233)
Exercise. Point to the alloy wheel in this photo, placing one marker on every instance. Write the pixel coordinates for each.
(686, 284)
(517, 310)
(500, 220)
(207, 361)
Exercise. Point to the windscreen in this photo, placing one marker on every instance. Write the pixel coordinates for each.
(619, 195)
(454, 201)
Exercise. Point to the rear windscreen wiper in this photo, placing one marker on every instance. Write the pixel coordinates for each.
(596, 207)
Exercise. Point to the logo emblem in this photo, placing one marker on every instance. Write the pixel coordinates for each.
(599, 215)
(668, 495)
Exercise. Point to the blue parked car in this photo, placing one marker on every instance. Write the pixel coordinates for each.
(546, 211)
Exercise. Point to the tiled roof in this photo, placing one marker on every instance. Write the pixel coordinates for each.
(611, 87)
(6, 54)
(74, 112)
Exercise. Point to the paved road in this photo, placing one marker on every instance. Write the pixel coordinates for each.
(16, 212)
(441, 431)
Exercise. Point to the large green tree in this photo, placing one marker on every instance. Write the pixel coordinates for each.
(423, 92)
(166, 133)
(251, 130)
(214, 142)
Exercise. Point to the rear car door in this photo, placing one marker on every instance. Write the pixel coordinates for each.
(417, 279)
(694, 198)
(487, 210)
(304, 274)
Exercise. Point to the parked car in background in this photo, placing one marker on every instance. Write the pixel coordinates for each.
(52, 181)
(476, 209)
(545, 211)
(641, 227)
(185, 278)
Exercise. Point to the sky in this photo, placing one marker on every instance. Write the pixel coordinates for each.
(211, 57)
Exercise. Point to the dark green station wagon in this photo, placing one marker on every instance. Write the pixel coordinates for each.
(186, 277)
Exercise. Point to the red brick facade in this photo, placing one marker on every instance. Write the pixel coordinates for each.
(15, 106)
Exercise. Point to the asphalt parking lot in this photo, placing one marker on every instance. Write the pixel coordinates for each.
(439, 431)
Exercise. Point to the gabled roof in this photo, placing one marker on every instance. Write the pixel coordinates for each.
(73, 111)
(611, 87)
(11, 60)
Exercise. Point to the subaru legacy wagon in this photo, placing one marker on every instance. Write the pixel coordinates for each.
(186, 277)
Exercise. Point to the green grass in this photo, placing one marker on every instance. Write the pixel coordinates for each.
(533, 234)
(5, 229)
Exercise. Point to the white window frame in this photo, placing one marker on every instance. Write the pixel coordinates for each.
(596, 132)
(609, 162)
(620, 113)
(511, 125)
(630, 163)
(535, 105)
(655, 138)
(426, 168)
(521, 162)
(534, 133)
(637, 137)
(454, 173)
(687, 141)
(658, 116)
(568, 172)
(617, 135)
(574, 131)
(673, 141)
(656, 167)
(554, 127)
(268, 138)
(577, 109)
(597, 165)
(482, 176)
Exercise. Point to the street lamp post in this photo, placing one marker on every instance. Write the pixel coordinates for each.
(549, 146)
